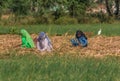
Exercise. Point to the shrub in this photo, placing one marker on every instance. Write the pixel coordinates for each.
(88, 19)
(27, 20)
(13, 30)
(66, 20)
(94, 20)
(8, 21)
(104, 18)
(45, 19)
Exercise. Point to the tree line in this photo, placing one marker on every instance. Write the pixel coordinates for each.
(58, 11)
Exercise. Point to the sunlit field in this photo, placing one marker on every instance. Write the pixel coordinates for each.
(57, 67)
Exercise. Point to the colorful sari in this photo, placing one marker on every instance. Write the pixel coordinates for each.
(26, 39)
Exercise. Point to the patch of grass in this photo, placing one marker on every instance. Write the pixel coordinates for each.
(107, 29)
(30, 67)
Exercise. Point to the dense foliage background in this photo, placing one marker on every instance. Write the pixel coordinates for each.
(58, 11)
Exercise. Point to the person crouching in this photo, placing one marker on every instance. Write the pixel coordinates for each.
(43, 42)
(81, 39)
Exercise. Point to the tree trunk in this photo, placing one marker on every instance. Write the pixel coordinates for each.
(108, 8)
(117, 7)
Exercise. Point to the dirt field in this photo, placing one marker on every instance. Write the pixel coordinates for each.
(98, 45)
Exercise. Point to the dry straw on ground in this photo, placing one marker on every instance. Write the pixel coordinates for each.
(98, 45)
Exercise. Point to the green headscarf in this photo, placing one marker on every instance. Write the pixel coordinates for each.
(26, 39)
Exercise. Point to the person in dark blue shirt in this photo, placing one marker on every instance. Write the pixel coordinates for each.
(81, 39)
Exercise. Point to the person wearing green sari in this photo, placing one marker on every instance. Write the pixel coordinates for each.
(26, 39)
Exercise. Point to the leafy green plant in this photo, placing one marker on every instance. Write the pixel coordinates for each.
(13, 30)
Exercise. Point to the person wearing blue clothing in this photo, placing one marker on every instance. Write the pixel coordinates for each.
(81, 39)
(43, 42)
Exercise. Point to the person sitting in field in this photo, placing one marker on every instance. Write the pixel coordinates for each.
(43, 42)
(26, 39)
(81, 39)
